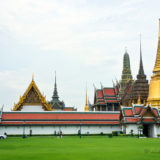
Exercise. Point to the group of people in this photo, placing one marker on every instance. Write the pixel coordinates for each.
(59, 134)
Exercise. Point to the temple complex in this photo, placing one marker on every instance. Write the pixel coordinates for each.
(121, 108)
(138, 89)
(154, 87)
(126, 74)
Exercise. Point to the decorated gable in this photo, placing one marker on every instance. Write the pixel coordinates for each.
(32, 98)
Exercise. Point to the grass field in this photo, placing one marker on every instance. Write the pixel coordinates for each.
(74, 148)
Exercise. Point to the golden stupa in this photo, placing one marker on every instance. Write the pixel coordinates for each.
(154, 87)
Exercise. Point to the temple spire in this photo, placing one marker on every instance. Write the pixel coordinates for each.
(154, 87)
(86, 97)
(157, 64)
(141, 70)
(55, 93)
(126, 73)
(86, 104)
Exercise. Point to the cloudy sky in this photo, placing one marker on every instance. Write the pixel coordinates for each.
(83, 40)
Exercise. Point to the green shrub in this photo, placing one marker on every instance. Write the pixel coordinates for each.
(115, 133)
(110, 135)
(101, 134)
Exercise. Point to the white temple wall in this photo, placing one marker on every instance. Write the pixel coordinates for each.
(32, 108)
(153, 131)
(130, 127)
(158, 129)
(46, 130)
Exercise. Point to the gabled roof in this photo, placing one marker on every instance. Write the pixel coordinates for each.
(99, 93)
(127, 111)
(109, 92)
(149, 109)
(106, 95)
(140, 114)
(57, 118)
(39, 99)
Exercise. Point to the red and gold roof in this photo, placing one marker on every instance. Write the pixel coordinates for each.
(32, 96)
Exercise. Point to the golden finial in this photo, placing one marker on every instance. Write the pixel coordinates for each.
(32, 76)
(159, 28)
(139, 100)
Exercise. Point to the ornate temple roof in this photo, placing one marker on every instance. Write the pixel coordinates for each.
(32, 96)
(106, 95)
(140, 114)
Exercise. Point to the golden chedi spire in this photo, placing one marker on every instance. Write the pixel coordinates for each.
(86, 108)
(154, 87)
(157, 64)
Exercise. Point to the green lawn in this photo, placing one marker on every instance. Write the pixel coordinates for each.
(74, 148)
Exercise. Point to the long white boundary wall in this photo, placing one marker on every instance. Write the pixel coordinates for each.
(46, 130)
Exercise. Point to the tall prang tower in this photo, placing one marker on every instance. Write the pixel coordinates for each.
(126, 74)
(154, 87)
(138, 91)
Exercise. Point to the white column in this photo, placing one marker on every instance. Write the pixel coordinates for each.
(155, 131)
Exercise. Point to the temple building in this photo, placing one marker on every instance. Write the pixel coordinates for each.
(32, 100)
(140, 118)
(137, 90)
(56, 104)
(106, 99)
(126, 74)
(154, 87)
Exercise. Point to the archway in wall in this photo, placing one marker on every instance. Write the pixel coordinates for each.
(148, 130)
